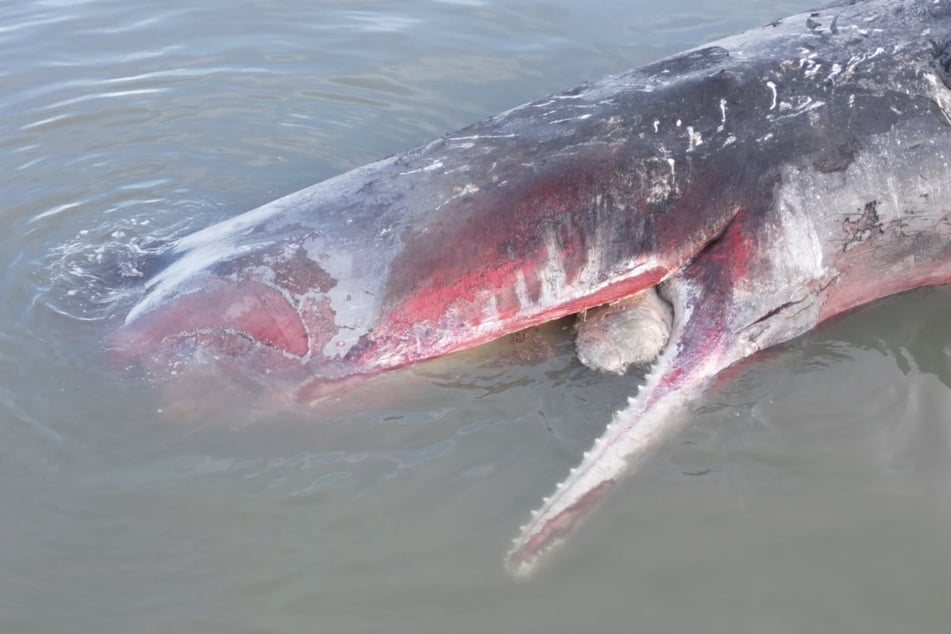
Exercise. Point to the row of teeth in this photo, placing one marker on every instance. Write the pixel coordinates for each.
(525, 567)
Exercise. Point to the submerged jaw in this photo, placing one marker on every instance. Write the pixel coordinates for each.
(632, 432)
(684, 369)
(610, 338)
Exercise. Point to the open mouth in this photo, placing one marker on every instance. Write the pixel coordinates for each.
(683, 326)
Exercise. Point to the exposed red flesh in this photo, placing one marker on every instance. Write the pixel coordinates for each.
(257, 311)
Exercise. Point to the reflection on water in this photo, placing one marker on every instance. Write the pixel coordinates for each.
(808, 493)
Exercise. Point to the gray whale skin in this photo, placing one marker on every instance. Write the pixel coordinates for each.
(763, 183)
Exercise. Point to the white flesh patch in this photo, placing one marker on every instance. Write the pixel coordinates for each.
(630, 331)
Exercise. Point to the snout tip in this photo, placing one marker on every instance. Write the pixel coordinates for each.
(245, 309)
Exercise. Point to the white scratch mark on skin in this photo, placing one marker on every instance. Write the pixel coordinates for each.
(578, 118)
(808, 60)
(679, 123)
(722, 115)
(552, 99)
(804, 106)
(693, 138)
(656, 125)
(481, 136)
(836, 69)
(521, 291)
(941, 96)
(662, 188)
(458, 192)
(435, 165)
(858, 59)
(730, 140)
(772, 87)
(490, 309)
(552, 274)
(852, 100)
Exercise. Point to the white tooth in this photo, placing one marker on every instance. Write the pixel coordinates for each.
(545, 501)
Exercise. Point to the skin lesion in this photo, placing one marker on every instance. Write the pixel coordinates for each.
(862, 228)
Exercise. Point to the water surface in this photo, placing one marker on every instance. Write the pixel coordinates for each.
(810, 493)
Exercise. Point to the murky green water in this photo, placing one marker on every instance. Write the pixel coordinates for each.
(810, 493)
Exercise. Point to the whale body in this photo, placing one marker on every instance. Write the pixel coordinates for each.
(762, 184)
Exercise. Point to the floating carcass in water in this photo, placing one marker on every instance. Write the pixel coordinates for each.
(763, 183)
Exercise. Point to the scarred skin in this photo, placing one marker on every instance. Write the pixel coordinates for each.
(765, 182)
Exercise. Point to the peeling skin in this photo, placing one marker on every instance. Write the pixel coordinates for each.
(763, 183)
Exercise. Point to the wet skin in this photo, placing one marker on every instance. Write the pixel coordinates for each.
(764, 183)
